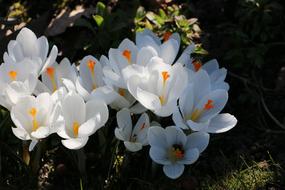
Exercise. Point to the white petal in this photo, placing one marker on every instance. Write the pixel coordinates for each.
(88, 128)
(159, 155)
(125, 125)
(51, 59)
(41, 132)
(198, 126)
(222, 123)
(201, 85)
(148, 99)
(185, 57)
(21, 133)
(28, 41)
(211, 66)
(145, 54)
(133, 146)
(175, 136)
(173, 171)
(156, 137)
(190, 156)
(169, 50)
(199, 140)
(97, 110)
(75, 143)
(178, 120)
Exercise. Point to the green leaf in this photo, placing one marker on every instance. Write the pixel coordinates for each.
(98, 19)
(100, 8)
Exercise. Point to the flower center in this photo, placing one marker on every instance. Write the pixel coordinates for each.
(91, 66)
(50, 72)
(176, 152)
(197, 65)
(75, 128)
(165, 76)
(13, 75)
(127, 54)
(196, 114)
(166, 36)
(33, 112)
(121, 91)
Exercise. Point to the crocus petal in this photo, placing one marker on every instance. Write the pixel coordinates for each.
(198, 126)
(159, 155)
(178, 120)
(133, 146)
(219, 98)
(175, 136)
(222, 123)
(98, 110)
(145, 54)
(21, 133)
(148, 99)
(41, 132)
(75, 143)
(169, 50)
(199, 140)
(124, 121)
(211, 66)
(156, 137)
(173, 171)
(51, 59)
(190, 156)
(88, 128)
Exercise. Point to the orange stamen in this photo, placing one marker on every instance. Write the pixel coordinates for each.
(91, 65)
(209, 105)
(179, 154)
(127, 54)
(33, 113)
(143, 126)
(165, 75)
(197, 65)
(50, 71)
(13, 75)
(122, 91)
(166, 36)
(75, 127)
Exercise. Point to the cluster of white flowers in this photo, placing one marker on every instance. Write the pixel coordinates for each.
(45, 97)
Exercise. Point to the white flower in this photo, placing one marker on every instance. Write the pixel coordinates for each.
(34, 117)
(173, 149)
(160, 87)
(166, 50)
(200, 107)
(81, 120)
(17, 80)
(217, 75)
(134, 138)
(54, 77)
(27, 45)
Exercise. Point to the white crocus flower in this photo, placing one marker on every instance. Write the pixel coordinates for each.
(27, 45)
(167, 50)
(81, 120)
(200, 107)
(17, 80)
(54, 77)
(134, 138)
(34, 117)
(160, 87)
(173, 149)
(217, 75)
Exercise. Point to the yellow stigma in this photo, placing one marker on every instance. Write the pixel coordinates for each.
(13, 75)
(91, 66)
(122, 92)
(166, 36)
(75, 128)
(162, 100)
(50, 72)
(33, 112)
(127, 54)
(196, 114)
